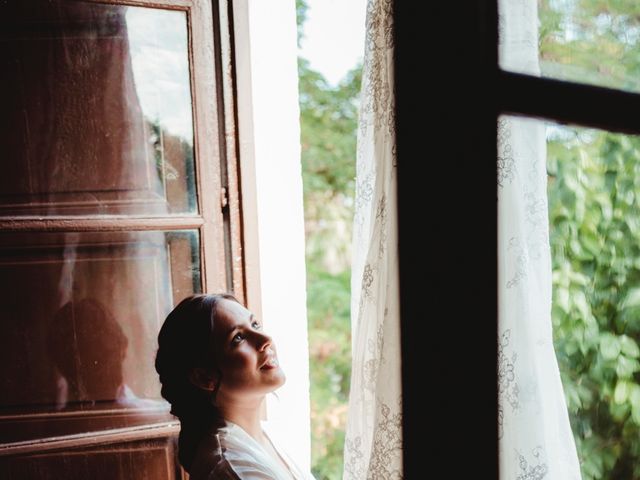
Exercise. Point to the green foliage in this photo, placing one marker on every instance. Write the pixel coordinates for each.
(328, 140)
(594, 210)
(328, 124)
(330, 365)
(591, 41)
(594, 214)
(328, 121)
(301, 17)
(595, 228)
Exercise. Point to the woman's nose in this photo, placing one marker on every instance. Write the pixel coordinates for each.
(263, 341)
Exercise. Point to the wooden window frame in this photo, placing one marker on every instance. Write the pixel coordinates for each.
(219, 217)
(218, 220)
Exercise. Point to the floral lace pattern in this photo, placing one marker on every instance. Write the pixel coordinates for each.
(373, 443)
(533, 469)
(375, 352)
(387, 443)
(519, 263)
(377, 103)
(535, 439)
(527, 369)
(381, 217)
(507, 385)
(506, 162)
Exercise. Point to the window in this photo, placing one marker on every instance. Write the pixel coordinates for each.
(447, 130)
(118, 198)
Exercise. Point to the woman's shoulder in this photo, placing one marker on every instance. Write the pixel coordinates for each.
(225, 455)
(209, 461)
(281, 443)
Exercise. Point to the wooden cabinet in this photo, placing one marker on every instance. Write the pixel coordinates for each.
(114, 206)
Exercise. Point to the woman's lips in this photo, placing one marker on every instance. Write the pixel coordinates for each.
(271, 362)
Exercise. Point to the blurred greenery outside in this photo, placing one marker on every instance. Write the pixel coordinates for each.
(328, 118)
(594, 215)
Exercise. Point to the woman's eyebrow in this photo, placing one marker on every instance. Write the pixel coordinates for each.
(233, 329)
(238, 326)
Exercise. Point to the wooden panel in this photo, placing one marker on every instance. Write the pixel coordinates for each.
(148, 459)
(90, 180)
(76, 134)
(209, 143)
(97, 224)
(232, 211)
(81, 314)
(24, 427)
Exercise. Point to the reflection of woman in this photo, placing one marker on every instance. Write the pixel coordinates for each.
(88, 348)
(216, 365)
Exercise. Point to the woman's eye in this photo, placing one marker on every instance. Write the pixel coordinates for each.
(237, 338)
(256, 325)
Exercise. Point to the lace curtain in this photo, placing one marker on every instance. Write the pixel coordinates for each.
(536, 441)
(373, 444)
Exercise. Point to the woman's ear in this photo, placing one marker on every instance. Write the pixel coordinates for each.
(203, 379)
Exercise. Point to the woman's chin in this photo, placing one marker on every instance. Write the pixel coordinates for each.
(280, 377)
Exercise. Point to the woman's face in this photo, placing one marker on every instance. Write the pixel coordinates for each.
(248, 360)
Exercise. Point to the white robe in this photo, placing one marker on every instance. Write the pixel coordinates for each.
(232, 454)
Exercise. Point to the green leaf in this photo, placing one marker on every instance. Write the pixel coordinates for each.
(629, 346)
(635, 415)
(609, 346)
(619, 411)
(632, 298)
(634, 396)
(621, 392)
(626, 367)
(581, 303)
(562, 299)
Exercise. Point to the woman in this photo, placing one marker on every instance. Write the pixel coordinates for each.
(216, 366)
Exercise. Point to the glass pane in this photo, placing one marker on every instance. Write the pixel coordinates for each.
(80, 314)
(594, 213)
(586, 41)
(593, 188)
(96, 111)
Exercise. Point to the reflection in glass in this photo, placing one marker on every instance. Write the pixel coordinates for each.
(593, 42)
(80, 323)
(96, 115)
(88, 348)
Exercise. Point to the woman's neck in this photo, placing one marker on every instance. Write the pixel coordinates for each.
(246, 416)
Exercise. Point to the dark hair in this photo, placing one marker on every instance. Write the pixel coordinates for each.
(185, 342)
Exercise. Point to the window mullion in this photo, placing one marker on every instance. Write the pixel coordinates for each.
(568, 102)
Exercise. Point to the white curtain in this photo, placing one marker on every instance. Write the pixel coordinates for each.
(373, 445)
(536, 441)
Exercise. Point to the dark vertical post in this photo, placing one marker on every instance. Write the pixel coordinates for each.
(446, 64)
